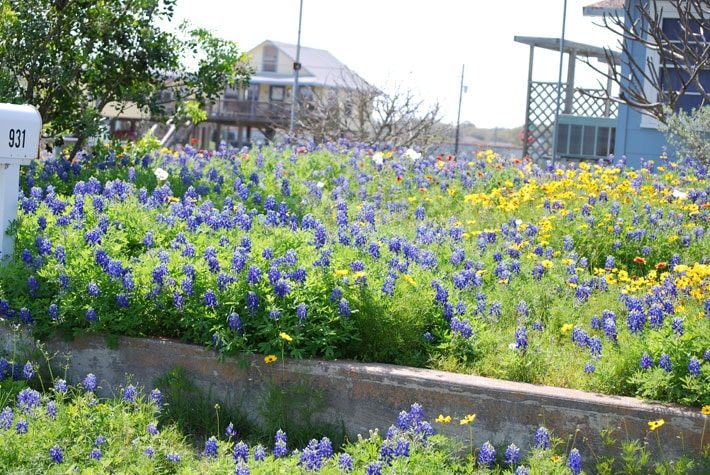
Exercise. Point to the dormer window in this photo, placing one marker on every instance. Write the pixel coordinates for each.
(270, 59)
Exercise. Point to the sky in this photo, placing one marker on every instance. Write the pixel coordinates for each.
(420, 44)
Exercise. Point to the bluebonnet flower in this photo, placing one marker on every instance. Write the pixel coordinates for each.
(211, 447)
(388, 285)
(374, 468)
(461, 327)
(60, 386)
(589, 368)
(149, 239)
(234, 322)
(55, 453)
(665, 362)
(241, 452)
(512, 455)
(149, 452)
(345, 462)
(173, 457)
(521, 338)
(28, 371)
(60, 254)
(129, 393)
(636, 320)
(275, 314)
(89, 382)
(151, 428)
(242, 469)
(694, 366)
(344, 307)
(655, 314)
(609, 326)
(574, 462)
(210, 298)
(6, 417)
(522, 470)
(253, 275)
(280, 448)
(542, 439)
(100, 440)
(259, 453)
(302, 312)
(646, 361)
(706, 355)
(91, 314)
(93, 289)
(95, 453)
(25, 316)
(229, 431)
(677, 326)
(22, 426)
(28, 399)
(252, 301)
(487, 455)
(595, 346)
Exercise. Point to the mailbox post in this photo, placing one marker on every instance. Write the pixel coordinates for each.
(20, 128)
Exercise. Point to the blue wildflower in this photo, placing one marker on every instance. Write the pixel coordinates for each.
(211, 447)
(542, 439)
(574, 462)
(512, 455)
(694, 366)
(55, 453)
(487, 455)
(665, 362)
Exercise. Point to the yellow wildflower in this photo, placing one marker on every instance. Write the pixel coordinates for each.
(268, 359)
(341, 272)
(653, 425)
(566, 328)
(468, 419)
(410, 280)
(443, 419)
(705, 410)
(285, 337)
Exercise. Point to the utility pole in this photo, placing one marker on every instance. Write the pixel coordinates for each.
(458, 117)
(559, 84)
(296, 70)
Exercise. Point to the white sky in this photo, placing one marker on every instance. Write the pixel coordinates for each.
(420, 44)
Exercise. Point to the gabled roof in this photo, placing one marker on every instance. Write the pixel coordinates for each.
(608, 7)
(318, 68)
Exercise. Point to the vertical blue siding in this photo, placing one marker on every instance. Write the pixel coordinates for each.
(632, 140)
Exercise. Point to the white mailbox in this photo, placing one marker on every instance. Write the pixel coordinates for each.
(20, 129)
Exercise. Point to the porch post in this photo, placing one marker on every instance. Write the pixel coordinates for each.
(526, 127)
(569, 90)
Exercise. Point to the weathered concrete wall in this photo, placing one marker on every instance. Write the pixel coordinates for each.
(366, 396)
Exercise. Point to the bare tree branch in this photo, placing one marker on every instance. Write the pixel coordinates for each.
(682, 54)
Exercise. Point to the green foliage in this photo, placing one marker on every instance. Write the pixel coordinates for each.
(689, 133)
(73, 59)
(197, 413)
(296, 409)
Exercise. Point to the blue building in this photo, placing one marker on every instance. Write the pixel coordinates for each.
(637, 134)
(589, 125)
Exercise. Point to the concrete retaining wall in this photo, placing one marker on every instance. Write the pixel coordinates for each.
(366, 396)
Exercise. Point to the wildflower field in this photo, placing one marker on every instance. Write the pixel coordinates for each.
(68, 429)
(589, 276)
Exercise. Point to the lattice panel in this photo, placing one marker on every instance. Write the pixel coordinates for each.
(541, 119)
(587, 106)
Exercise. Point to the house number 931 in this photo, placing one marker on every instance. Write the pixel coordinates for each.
(16, 138)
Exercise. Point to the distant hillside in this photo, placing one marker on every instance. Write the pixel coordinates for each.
(491, 136)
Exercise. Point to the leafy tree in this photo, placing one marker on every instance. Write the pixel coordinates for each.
(72, 58)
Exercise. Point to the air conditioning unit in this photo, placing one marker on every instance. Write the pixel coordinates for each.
(585, 137)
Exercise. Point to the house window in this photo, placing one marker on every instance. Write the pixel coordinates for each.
(276, 93)
(270, 59)
(672, 78)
